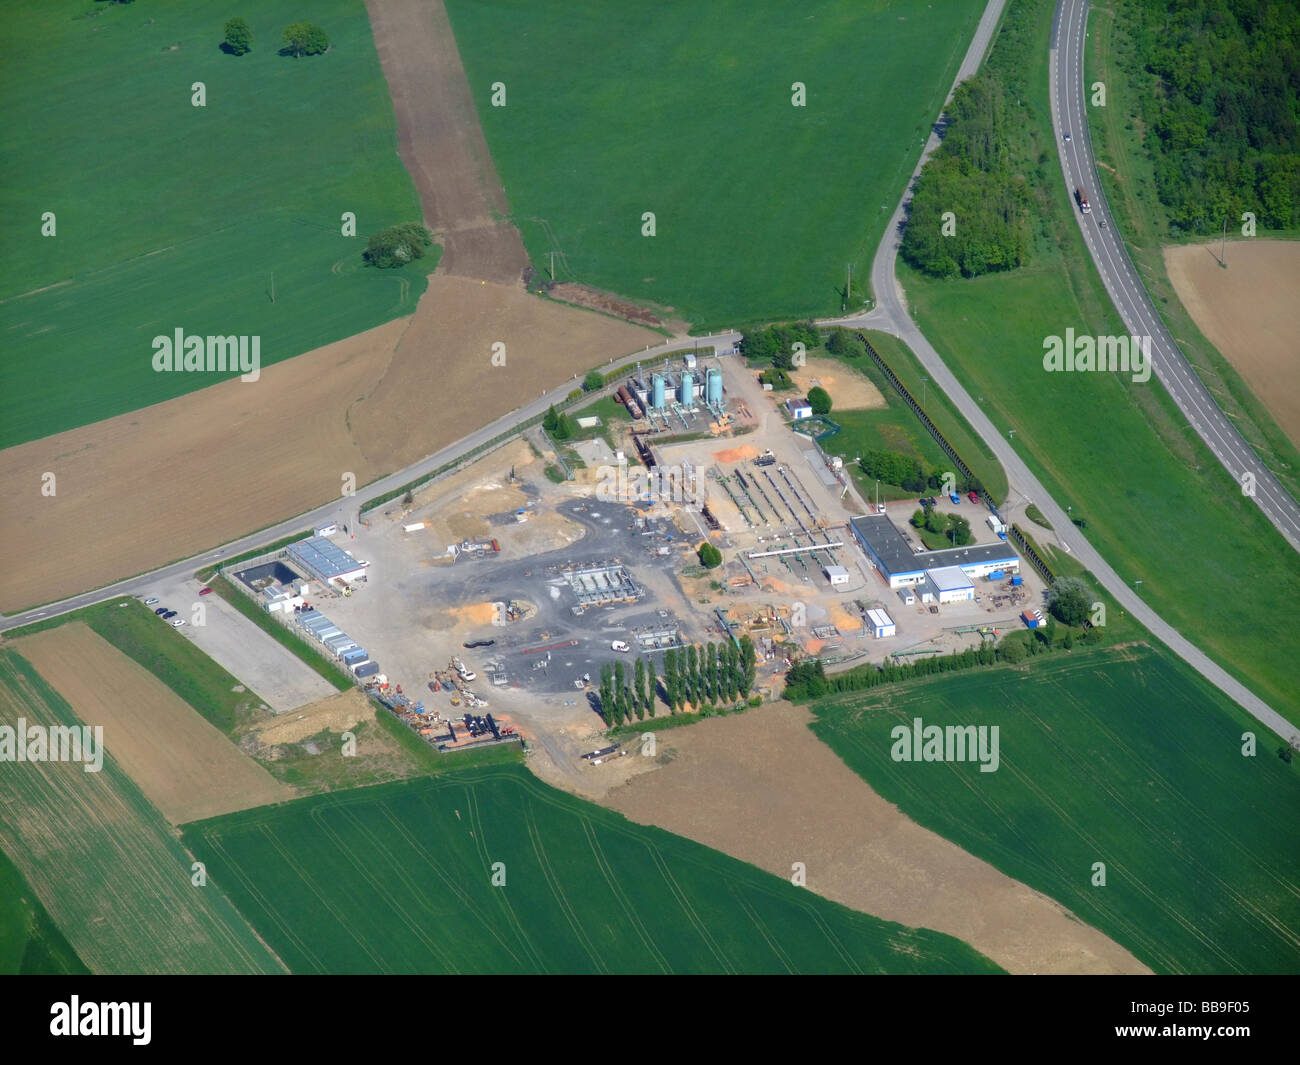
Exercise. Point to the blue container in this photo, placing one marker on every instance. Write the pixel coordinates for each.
(996, 575)
(1017, 581)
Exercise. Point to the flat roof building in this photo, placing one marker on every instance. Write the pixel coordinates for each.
(325, 561)
(952, 584)
(882, 624)
(836, 575)
(889, 552)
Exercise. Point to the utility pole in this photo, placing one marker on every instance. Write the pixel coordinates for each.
(848, 288)
(552, 266)
(272, 286)
(1223, 248)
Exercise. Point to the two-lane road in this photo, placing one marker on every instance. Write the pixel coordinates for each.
(1069, 98)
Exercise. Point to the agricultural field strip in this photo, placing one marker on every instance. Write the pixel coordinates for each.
(557, 892)
(54, 791)
(1129, 757)
(616, 889)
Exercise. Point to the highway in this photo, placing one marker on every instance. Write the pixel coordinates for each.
(890, 315)
(1069, 102)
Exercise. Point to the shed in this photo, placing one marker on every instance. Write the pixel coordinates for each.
(882, 624)
(837, 575)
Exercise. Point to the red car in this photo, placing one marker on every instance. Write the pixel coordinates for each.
(204, 591)
(974, 497)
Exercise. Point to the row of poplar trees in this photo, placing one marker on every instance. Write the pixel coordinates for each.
(709, 675)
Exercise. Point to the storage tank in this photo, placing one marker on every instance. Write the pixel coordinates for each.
(686, 390)
(713, 388)
(657, 391)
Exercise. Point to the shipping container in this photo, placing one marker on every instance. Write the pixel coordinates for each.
(1017, 581)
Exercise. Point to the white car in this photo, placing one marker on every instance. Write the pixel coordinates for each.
(151, 600)
(362, 562)
(619, 645)
(178, 623)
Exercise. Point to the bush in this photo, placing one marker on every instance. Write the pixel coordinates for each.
(710, 556)
(305, 38)
(239, 38)
(1069, 601)
(845, 343)
(593, 381)
(397, 245)
(1012, 649)
(820, 400)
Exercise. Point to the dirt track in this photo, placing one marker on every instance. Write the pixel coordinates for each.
(1250, 313)
(763, 788)
(185, 767)
(442, 143)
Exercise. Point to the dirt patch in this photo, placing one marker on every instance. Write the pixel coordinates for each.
(848, 390)
(763, 788)
(596, 300)
(442, 144)
(736, 454)
(1250, 313)
(338, 713)
(257, 453)
(184, 765)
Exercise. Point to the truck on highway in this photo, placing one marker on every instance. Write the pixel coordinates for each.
(1082, 197)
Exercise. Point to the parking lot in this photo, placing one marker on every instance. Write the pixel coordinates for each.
(282, 679)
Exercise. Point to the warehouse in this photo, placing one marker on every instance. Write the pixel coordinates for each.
(889, 552)
(325, 561)
(882, 624)
(951, 584)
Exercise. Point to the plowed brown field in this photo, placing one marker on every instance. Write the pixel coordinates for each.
(185, 766)
(1250, 313)
(763, 788)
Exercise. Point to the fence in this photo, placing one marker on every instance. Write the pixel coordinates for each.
(1035, 559)
(919, 411)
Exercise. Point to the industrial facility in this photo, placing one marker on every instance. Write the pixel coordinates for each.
(672, 398)
(898, 564)
(325, 561)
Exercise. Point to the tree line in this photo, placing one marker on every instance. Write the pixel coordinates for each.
(703, 676)
(904, 471)
(1218, 84)
(775, 343)
(970, 175)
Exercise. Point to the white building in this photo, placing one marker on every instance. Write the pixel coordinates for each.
(882, 624)
(951, 584)
(837, 575)
(798, 408)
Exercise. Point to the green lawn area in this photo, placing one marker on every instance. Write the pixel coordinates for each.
(30, 943)
(897, 428)
(133, 629)
(175, 216)
(1128, 179)
(685, 110)
(104, 864)
(1118, 755)
(1159, 506)
(398, 879)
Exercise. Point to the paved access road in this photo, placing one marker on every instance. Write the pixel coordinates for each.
(345, 511)
(1069, 114)
(890, 315)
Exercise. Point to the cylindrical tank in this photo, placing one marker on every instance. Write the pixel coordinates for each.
(657, 391)
(713, 387)
(686, 390)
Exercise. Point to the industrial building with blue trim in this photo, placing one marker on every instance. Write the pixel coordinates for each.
(947, 574)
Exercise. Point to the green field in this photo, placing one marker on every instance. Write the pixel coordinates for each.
(175, 216)
(397, 879)
(684, 110)
(103, 862)
(1159, 506)
(30, 944)
(1121, 756)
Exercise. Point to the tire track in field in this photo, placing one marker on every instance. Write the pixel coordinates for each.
(552, 882)
(634, 919)
(685, 903)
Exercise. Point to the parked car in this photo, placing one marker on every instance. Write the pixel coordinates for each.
(205, 591)
(178, 623)
(169, 615)
(619, 645)
(362, 562)
(151, 600)
(161, 610)
(974, 497)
